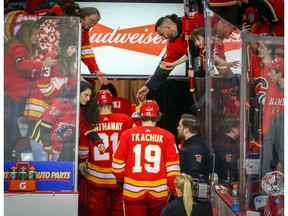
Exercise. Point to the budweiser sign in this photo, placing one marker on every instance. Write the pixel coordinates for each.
(140, 39)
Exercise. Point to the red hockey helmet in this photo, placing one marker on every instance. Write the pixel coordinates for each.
(149, 108)
(104, 97)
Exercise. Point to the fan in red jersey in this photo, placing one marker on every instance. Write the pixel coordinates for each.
(101, 185)
(274, 102)
(19, 71)
(147, 162)
(54, 128)
(53, 80)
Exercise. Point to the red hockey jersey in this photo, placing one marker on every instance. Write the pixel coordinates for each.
(87, 54)
(44, 89)
(109, 129)
(60, 119)
(147, 162)
(17, 76)
(259, 77)
(121, 105)
(274, 105)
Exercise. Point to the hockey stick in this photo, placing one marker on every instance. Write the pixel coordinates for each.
(190, 69)
(134, 95)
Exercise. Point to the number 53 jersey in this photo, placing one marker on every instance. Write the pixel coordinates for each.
(147, 161)
(99, 163)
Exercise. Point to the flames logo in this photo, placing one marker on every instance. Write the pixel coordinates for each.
(64, 130)
(261, 86)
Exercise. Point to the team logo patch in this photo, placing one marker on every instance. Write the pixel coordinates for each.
(54, 111)
(64, 130)
(198, 158)
(276, 110)
(228, 157)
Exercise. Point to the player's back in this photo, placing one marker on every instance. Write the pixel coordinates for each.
(150, 156)
(121, 105)
(109, 129)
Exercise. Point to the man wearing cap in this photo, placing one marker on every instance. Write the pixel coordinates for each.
(274, 102)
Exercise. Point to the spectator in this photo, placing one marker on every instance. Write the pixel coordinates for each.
(227, 148)
(55, 127)
(273, 146)
(54, 80)
(185, 205)
(172, 28)
(272, 11)
(90, 16)
(274, 102)
(194, 153)
(147, 163)
(198, 37)
(56, 7)
(19, 68)
(103, 193)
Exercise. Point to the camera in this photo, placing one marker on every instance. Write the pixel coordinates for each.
(201, 188)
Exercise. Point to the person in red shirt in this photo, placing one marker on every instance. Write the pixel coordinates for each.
(53, 80)
(173, 29)
(274, 102)
(55, 127)
(103, 193)
(19, 71)
(90, 16)
(147, 162)
(272, 11)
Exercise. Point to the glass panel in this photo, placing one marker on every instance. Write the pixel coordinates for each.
(223, 53)
(245, 111)
(40, 90)
(264, 127)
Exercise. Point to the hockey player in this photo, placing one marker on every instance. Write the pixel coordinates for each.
(147, 162)
(103, 192)
(120, 104)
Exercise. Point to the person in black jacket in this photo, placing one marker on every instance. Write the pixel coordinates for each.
(194, 153)
(185, 205)
(227, 148)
